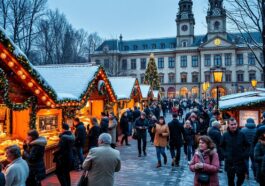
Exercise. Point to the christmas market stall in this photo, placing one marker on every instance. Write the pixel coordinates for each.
(128, 93)
(147, 95)
(242, 106)
(156, 95)
(26, 99)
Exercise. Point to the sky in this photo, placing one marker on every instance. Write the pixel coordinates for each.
(134, 19)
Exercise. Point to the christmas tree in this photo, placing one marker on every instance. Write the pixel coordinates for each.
(151, 74)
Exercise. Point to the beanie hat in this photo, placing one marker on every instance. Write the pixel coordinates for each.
(65, 126)
(250, 120)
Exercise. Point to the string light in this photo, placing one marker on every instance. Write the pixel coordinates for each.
(19, 72)
(3, 55)
(43, 98)
(37, 91)
(48, 103)
(11, 64)
(30, 84)
(23, 77)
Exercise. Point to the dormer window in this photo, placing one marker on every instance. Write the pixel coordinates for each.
(135, 47)
(184, 43)
(145, 46)
(126, 48)
(163, 45)
(153, 46)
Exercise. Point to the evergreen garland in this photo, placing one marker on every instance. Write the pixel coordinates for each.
(31, 101)
(151, 74)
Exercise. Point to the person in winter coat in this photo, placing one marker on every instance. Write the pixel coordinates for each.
(64, 157)
(80, 139)
(141, 125)
(124, 125)
(202, 126)
(235, 153)
(34, 149)
(17, 171)
(2, 176)
(176, 136)
(93, 134)
(151, 124)
(136, 113)
(250, 131)
(189, 138)
(205, 161)
(102, 162)
(104, 123)
(157, 111)
(161, 135)
(259, 155)
(215, 134)
(112, 129)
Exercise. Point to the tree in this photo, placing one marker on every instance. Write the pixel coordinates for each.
(151, 74)
(248, 16)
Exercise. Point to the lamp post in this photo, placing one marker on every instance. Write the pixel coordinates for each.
(217, 76)
(254, 83)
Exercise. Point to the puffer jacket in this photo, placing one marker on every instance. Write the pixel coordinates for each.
(210, 166)
(250, 132)
(34, 155)
(161, 135)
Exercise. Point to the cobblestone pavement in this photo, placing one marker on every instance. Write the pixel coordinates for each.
(142, 170)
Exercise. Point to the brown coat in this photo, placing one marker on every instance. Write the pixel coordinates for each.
(161, 135)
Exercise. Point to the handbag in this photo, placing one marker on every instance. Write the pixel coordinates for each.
(84, 179)
(135, 135)
(203, 177)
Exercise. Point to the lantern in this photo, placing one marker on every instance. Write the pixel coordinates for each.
(254, 83)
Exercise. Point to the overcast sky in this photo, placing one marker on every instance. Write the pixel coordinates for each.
(134, 19)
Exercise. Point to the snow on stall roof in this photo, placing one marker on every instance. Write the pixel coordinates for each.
(68, 81)
(237, 95)
(156, 93)
(241, 99)
(122, 86)
(145, 90)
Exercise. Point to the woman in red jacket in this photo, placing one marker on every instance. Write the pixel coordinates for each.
(205, 163)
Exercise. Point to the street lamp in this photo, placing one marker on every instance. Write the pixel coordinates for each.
(217, 77)
(254, 83)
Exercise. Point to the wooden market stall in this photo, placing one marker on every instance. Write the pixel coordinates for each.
(147, 95)
(128, 93)
(43, 97)
(243, 105)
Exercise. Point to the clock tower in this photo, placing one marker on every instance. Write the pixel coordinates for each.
(216, 19)
(185, 24)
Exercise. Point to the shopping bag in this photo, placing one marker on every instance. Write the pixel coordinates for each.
(84, 179)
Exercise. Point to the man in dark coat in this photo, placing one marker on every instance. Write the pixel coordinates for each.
(250, 131)
(34, 149)
(157, 111)
(64, 157)
(136, 113)
(104, 123)
(93, 134)
(80, 139)
(141, 125)
(235, 148)
(2, 177)
(176, 136)
(215, 134)
(124, 125)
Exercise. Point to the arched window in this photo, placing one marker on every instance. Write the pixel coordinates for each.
(171, 92)
(216, 25)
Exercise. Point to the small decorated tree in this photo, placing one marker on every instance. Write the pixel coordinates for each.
(151, 74)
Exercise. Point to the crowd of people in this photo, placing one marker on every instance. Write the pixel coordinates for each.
(194, 128)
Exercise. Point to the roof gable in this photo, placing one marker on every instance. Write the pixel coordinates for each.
(145, 90)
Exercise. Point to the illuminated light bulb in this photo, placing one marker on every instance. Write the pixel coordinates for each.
(30, 84)
(23, 77)
(3, 55)
(48, 103)
(19, 72)
(37, 91)
(43, 98)
(57, 105)
(53, 106)
(10, 63)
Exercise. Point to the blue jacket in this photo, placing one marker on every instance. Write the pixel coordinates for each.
(2, 179)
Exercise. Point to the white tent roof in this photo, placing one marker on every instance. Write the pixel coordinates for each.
(68, 81)
(156, 94)
(241, 99)
(122, 86)
(145, 90)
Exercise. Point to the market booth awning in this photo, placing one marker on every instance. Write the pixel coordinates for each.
(242, 106)
(127, 90)
(146, 91)
(156, 94)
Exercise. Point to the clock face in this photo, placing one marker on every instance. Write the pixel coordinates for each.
(217, 42)
(184, 28)
(216, 12)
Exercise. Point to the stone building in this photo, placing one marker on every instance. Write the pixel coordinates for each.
(186, 61)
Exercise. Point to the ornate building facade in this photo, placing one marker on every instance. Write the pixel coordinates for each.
(185, 61)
